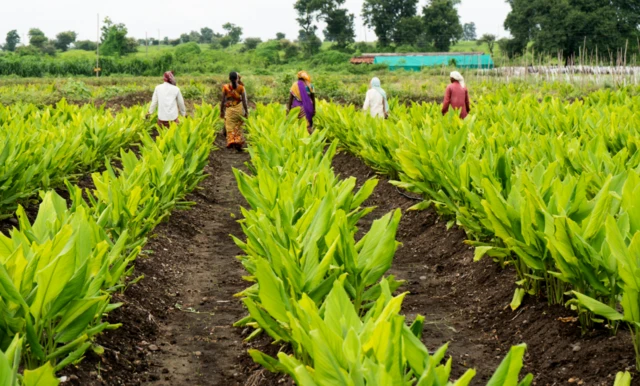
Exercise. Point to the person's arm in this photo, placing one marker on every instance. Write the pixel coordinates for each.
(154, 103)
(467, 101)
(367, 103)
(223, 104)
(181, 106)
(313, 100)
(447, 101)
(245, 104)
(290, 103)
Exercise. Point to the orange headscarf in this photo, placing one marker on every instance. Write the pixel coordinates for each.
(304, 76)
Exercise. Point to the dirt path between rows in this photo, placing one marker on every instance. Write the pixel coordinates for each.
(177, 321)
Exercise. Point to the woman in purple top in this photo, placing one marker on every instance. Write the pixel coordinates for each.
(302, 96)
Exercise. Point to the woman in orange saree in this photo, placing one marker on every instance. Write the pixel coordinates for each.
(234, 110)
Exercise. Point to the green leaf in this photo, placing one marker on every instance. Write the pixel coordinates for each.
(508, 372)
(42, 376)
(623, 379)
(518, 295)
(597, 307)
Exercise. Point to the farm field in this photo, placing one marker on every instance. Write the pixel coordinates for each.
(370, 251)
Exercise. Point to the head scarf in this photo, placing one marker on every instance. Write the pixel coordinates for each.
(376, 85)
(169, 78)
(455, 75)
(305, 80)
(304, 76)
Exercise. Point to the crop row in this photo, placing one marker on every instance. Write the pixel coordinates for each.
(58, 272)
(315, 287)
(41, 147)
(545, 186)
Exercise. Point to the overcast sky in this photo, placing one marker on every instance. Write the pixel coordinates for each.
(258, 18)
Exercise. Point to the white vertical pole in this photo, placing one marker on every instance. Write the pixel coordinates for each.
(98, 46)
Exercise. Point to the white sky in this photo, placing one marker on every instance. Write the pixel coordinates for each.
(258, 18)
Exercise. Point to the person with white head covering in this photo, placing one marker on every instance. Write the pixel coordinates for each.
(457, 96)
(376, 100)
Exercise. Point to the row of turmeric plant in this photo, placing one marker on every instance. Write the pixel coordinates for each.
(58, 273)
(547, 186)
(43, 146)
(315, 288)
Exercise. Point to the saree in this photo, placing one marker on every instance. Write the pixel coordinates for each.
(301, 91)
(234, 116)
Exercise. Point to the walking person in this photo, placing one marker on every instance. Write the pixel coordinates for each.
(234, 110)
(376, 100)
(457, 96)
(168, 100)
(302, 95)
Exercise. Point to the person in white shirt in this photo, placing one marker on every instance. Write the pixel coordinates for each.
(168, 99)
(376, 100)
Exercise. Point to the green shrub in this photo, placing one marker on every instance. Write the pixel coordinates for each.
(330, 57)
(186, 51)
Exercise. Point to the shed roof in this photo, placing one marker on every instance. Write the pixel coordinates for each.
(362, 60)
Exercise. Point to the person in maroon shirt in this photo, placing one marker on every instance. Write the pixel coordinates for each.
(457, 96)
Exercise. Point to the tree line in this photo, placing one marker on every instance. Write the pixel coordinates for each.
(567, 28)
(572, 27)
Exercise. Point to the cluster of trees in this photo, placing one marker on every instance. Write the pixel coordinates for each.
(232, 35)
(398, 22)
(114, 41)
(39, 43)
(572, 26)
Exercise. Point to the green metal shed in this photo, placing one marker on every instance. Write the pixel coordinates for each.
(416, 61)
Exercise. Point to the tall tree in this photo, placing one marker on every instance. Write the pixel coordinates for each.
(409, 31)
(308, 11)
(206, 35)
(64, 39)
(489, 39)
(339, 22)
(114, 39)
(12, 41)
(280, 36)
(383, 16)
(233, 32)
(571, 25)
(469, 31)
(37, 38)
(442, 23)
(340, 28)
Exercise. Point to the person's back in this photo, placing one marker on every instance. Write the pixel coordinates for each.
(457, 96)
(374, 102)
(169, 101)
